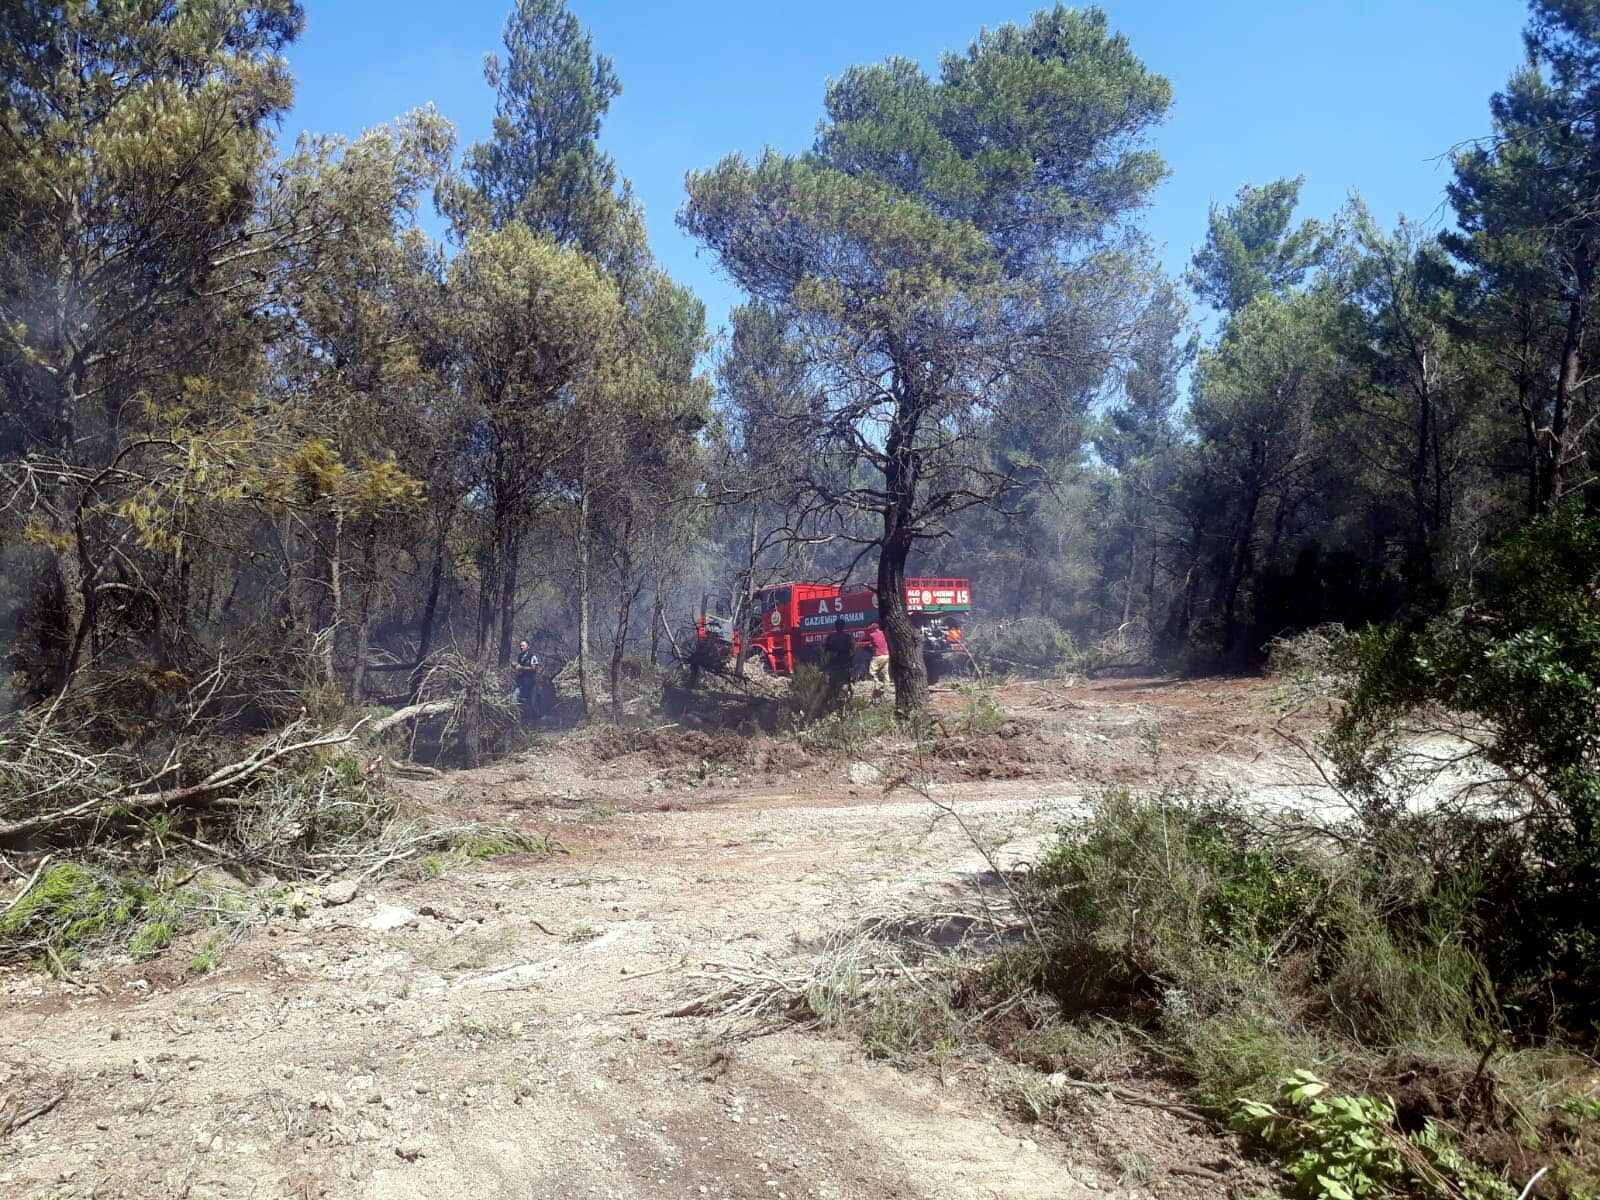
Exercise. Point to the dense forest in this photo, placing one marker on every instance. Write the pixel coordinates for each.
(258, 422)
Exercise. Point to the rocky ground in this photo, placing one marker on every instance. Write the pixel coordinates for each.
(505, 1029)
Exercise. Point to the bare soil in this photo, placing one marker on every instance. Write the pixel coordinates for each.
(501, 1030)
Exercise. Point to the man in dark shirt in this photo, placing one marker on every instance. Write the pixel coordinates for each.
(838, 659)
(527, 668)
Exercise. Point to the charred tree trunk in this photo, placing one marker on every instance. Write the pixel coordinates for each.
(1239, 559)
(747, 606)
(291, 574)
(1133, 568)
(901, 470)
(488, 584)
(510, 558)
(358, 671)
(906, 666)
(1530, 434)
(627, 596)
(330, 632)
(503, 506)
(658, 616)
(585, 667)
(430, 608)
(1568, 380)
(77, 618)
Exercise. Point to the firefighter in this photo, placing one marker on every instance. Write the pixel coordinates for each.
(878, 668)
(528, 668)
(952, 634)
(838, 659)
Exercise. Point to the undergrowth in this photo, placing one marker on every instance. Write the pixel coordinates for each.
(1318, 991)
(145, 882)
(1320, 988)
(76, 907)
(847, 724)
(841, 725)
(1338, 1147)
(474, 847)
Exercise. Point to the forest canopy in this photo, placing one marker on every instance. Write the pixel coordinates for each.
(263, 410)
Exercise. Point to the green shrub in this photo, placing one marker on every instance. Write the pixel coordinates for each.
(980, 713)
(1514, 676)
(1155, 893)
(1431, 989)
(1243, 951)
(907, 1025)
(1029, 645)
(848, 730)
(1334, 1147)
(810, 693)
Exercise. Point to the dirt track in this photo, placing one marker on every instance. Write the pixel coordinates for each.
(498, 1031)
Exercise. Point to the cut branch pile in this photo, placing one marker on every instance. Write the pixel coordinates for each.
(142, 795)
(884, 951)
(100, 843)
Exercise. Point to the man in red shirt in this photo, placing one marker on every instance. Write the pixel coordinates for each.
(878, 668)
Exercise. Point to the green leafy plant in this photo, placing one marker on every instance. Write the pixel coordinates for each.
(1336, 1147)
(1347, 1147)
(980, 712)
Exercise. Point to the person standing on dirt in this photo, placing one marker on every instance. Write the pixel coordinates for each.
(878, 668)
(528, 668)
(838, 659)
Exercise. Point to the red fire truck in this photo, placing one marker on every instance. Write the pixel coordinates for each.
(790, 621)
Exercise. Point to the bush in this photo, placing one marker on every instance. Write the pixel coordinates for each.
(1030, 645)
(1207, 910)
(1307, 662)
(848, 730)
(907, 1024)
(810, 694)
(1243, 949)
(1510, 684)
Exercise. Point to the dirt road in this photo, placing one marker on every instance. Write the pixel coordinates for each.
(499, 1030)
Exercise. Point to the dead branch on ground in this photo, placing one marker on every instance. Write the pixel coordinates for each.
(214, 788)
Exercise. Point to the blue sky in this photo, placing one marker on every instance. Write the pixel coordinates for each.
(1351, 93)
